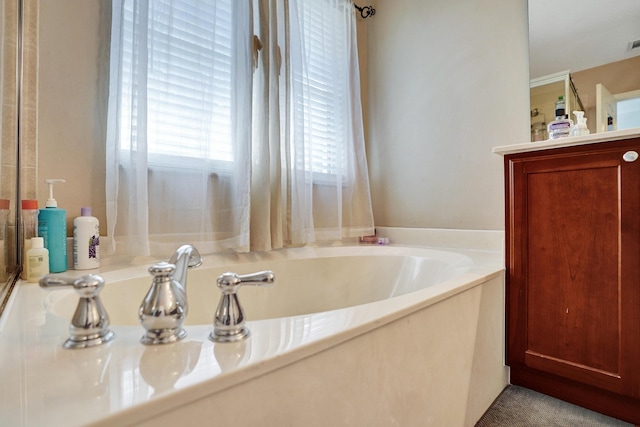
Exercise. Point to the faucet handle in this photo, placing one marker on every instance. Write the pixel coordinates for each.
(90, 322)
(229, 321)
(230, 282)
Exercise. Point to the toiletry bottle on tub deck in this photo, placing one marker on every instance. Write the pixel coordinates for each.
(29, 229)
(86, 241)
(52, 226)
(37, 260)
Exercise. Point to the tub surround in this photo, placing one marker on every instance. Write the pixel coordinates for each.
(126, 383)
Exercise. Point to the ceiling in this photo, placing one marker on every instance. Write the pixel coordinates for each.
(576, 35)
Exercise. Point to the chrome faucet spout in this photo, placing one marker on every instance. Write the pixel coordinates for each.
(184, 258)
(165, 307)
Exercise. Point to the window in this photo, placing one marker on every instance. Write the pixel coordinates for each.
(208, 143)
(188, 83)
(322, 76)
(190, 79)
(629, 111)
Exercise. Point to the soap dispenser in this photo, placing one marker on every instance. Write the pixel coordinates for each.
(580, 128)
(52, 226)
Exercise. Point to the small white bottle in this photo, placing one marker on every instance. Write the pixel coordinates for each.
(37, 262)
(86, 241)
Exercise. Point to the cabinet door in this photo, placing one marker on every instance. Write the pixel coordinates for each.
(573, 307)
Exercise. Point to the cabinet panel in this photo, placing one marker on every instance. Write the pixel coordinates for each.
(573, 293)
(573, 261)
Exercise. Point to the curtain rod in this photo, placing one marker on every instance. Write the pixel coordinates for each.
(365, 11)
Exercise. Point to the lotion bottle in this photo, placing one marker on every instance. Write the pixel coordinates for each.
(37, 261)
(52, 226)
(86, 241)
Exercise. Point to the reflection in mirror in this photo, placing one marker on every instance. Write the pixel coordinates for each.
(10, 47)
(596, 48)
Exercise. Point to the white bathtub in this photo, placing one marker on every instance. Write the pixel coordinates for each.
(308, 280)
(347, 335)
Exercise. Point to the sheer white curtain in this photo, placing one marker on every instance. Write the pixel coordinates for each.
(326, 185)
(309, 69)
(213, 144)
(178, 134)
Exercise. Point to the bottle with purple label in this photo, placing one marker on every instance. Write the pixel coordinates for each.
(561, 126)
(86, 241)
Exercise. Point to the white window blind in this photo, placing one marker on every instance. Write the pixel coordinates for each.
(323, 77)
(189, 84)
(189, 52)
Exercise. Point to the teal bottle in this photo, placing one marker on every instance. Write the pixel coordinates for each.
(52, 227)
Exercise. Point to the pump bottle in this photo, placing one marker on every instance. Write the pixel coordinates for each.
(580, 129)
(52, 226)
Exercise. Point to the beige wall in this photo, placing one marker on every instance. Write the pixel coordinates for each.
(443, 82)
(617, 77)
(72, 102)
(448, 80)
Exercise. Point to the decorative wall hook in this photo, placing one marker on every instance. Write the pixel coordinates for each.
(365, 11)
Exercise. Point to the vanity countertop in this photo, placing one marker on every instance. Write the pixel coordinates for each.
(593, 138)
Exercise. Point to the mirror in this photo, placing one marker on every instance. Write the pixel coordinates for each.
(594, 36)
(10, 49)
(596, 47)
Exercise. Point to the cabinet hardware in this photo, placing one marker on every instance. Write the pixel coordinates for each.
(630, 156)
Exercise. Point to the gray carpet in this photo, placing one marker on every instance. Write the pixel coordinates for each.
(521, 407)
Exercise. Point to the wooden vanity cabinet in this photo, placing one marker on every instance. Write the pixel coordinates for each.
(573, 274)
